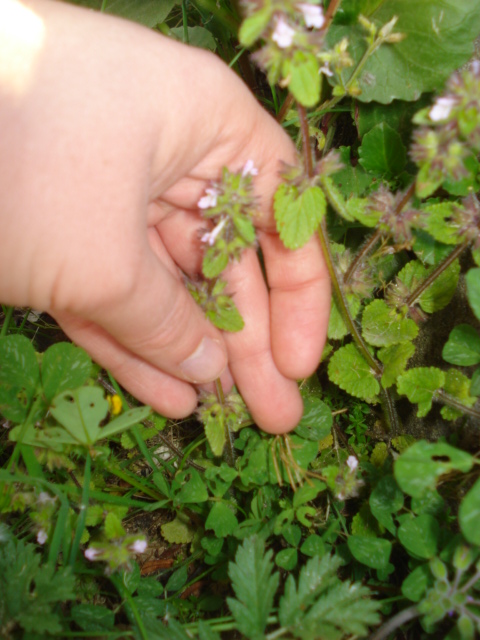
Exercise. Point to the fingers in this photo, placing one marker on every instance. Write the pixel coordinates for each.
(299, 304)
(167, 395)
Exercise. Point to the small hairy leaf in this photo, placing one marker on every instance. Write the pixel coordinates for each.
(439, 293)
(382, 151)
(352, 181)
(394, 359)
(253, 26)
(383, 326)
(420, 385)
(255, 586)
(350, 371)
(418, 468)
(437, 220)
(298, 214)
(473, 290)
(457, 385)
(178, 531)
(304, 75)
(463, 346)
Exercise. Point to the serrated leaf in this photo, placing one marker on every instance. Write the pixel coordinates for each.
(316, 422)
(469, 515)
(438, 39)
(179, 531)
(191, 487)
(420, 536)
(254, 585)
(419, 467)
(298, 215)
(383, 326)
(357, 208)
(64, 366)
(352, 181)
(457, 385)
(373, 552)
(19, 377)
(398, 115)
(437, 220)
(439, 293)
(420, 385)
(225, 315)
(385, 499)
(463, 346)
(147, 12)
(473, 290)
(221, 520)
(215, 261)
(350, 371)
(337, 329)
(253, 26)
(304, 75)
(394, 359)
(382, 151)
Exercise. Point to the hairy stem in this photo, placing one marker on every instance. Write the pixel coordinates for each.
(447, 399)
(395, 623)
(423, 286)
(330, 12)
(306, 146)
(229, 450)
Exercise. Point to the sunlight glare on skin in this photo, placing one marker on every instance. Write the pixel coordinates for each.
(22, 34)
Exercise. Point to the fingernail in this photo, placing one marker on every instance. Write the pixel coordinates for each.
(206, 363)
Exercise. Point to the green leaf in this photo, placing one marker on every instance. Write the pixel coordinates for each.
(205, 632)
(113, 526)
(419, 467)
(253, 26)
(463, 346)
(350, 371)
(382, 151)
(287, 559)
(429, 250)
(124, 421)
(197, 37)
(254, 585)
(91, 617)
(337, 329)
(308, 492)
(298, 215)
(457, 385)
(316, 422)
(225, 315)
(473, 290)
(394, 359)
(420, 536)
(420, 385)
(357, 208)
(438, 39)
(179, 531)
(385, 499)
(192, 487)
(313, 546)
(437, 220)
(19, 377)
(304, 75)
(475, 383)
(469, 515)
(64, 366)
(215, 432)
(147, 12)
(80, 413)
(178, 579)
(373, 552)
(215, 260)
(352, 181)
(398, 115)
(383, 326)
(439, 293)
(219, 479)
(416, 583)
(221, 520)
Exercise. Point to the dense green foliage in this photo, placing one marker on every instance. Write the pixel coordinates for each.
(119, 524)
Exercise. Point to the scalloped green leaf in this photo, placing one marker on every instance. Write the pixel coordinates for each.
(316, 422)
(298, 214)
(419, 467)
(439, 37)
(351, 180)
(222, 520)
(383, 326)
(473, 290)
(350, 371)
(394, 359)
(304, 74)
(463, 346)
(437, 220)
(439, 293)
(382, 151)
(420, 385)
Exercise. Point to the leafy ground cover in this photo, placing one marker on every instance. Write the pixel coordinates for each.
(365, 520)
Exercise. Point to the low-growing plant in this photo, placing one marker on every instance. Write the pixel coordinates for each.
(367, 514)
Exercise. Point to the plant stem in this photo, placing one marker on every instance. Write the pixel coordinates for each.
(229, 451)
(447, 399)
(330, 12)
(394, 623)
(470, 582)
(6, 321)
(186, 39)
(367, 247)
(435, 273)
(124, 593)
(287, 103)
(307, 149)
(219, 390)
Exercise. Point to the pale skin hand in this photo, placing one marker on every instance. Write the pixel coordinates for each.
(106, 147)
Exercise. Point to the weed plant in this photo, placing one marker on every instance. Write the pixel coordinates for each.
(366, 518)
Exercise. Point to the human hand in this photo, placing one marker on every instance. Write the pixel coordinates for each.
(111, 135)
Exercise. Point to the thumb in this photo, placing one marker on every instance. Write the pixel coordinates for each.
(156, 318)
